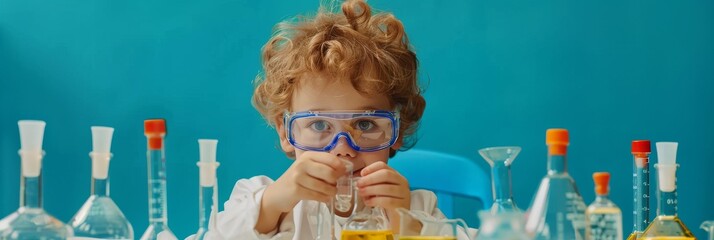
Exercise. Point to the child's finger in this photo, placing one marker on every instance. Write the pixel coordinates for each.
(327, 159)
(322, 172)
(380, 176)
(373, 168)
(316, 185)
(386, 190)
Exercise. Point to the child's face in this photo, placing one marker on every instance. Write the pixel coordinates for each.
(318, 93)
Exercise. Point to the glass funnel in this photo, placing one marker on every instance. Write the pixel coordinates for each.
(557, 210)
(504, 225)
(366, 223)
(500, 159)
(31, 221)
(709, 227)
(99, 216)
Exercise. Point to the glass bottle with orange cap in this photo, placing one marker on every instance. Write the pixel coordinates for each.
(603, 219)
(155, 130)
(557, 210)
(640, 187)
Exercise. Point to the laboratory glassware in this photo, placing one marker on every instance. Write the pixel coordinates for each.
(365, 222)
(155, 131)
(640, 187)
(208, 188)
(557, 210)
(667, 224)
(501, 226)
(31, 221)
(420, 225)
(342, 201)
(603, 218)
(709, 227)
(500, 160)
(99, 217)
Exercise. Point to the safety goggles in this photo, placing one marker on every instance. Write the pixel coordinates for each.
(365, 131)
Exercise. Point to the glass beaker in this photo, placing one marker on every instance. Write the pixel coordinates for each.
(366, 223)
(31, 221)
(709, 227)
(99, 216)
(419, 225)
(667, 224)
(500, 159)
(501, 226)
(557, 210)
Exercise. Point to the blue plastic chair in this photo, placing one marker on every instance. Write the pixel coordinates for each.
(446, 175)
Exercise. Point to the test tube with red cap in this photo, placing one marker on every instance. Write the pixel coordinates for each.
(155, 131)
(641, 150)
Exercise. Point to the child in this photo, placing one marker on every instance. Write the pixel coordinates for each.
(335, 87)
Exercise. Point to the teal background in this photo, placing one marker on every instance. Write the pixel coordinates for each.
(496, 73)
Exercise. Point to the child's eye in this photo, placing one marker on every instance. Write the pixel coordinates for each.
(319, 125)
(365, 125)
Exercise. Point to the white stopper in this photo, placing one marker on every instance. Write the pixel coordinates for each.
(31, 134)
(102, 139)
(207, 148)
(667, 152)
(207, 164)
(101, 151)
(667, 177)
(667, 167)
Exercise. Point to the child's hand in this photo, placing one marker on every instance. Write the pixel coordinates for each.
(313, 176)
(384, 187)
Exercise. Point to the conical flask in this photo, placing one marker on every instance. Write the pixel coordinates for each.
(31, 221)
(500, 159)
(667, 224)
(366, 222)
(557, 210)
(100, 217)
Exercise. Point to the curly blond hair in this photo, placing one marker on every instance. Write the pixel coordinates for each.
(345, 45)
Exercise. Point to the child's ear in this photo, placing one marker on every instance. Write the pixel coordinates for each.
(398, 144)
(284, 143)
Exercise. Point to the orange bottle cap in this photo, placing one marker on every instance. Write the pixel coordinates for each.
(558, 136)
(602, 181)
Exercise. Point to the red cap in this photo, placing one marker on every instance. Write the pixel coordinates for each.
(154, 126)
(155, 129)
(641, 146)
(602, 179)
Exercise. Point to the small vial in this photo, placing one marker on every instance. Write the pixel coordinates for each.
(603, 218)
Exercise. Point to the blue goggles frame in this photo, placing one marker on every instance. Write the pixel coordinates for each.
(393, 116)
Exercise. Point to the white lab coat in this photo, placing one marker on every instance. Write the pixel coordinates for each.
(240, 214)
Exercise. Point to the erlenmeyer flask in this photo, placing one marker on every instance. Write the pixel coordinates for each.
(501, 226)
(500, 159)
(366, 223)
(31, 221)
(557, 210)
(667, 224)
(99, 216)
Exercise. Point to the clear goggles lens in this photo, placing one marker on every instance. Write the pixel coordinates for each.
(363, 131)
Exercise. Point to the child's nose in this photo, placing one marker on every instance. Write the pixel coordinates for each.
(343, 149)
